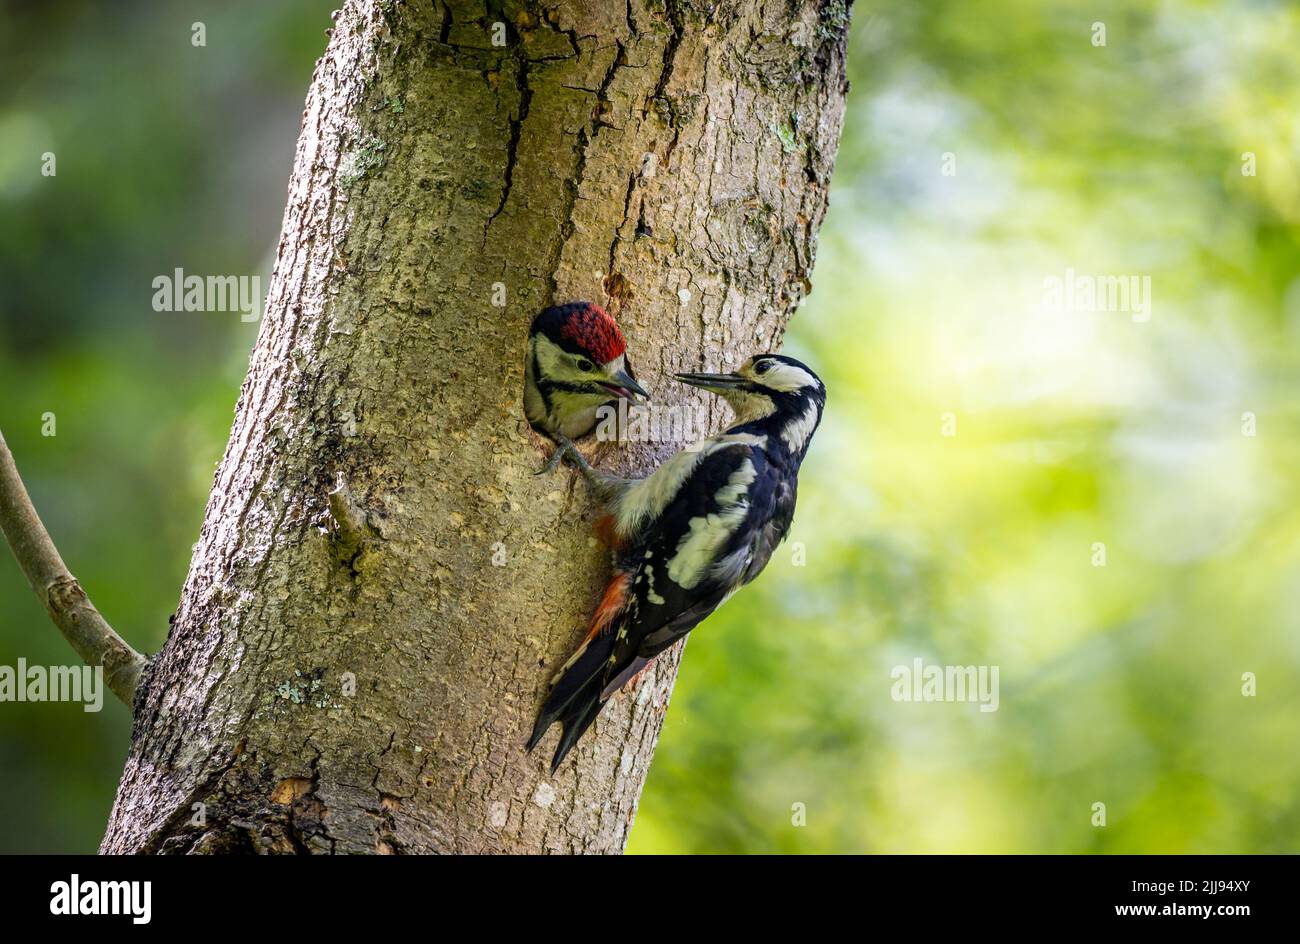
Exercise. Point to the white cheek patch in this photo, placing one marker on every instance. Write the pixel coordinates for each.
(550, 359)
(557, 364)
(787, 378)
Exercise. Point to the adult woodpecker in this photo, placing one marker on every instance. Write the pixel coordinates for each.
(577, 363)
(691, 534)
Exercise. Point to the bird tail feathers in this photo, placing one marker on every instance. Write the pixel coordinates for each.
(577, 696)
(575, 700)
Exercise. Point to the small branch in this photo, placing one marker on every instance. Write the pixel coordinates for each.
(72, 612)
(353, 530)
(349, 519)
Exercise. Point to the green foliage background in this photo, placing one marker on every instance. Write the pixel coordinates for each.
(1120, 684)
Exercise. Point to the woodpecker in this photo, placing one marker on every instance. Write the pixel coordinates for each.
(689, 535)
(577, 363)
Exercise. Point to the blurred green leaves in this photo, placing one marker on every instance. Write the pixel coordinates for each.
(1121, 684)
(167, 154)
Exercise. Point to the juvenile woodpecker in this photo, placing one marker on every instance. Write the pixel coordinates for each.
(577, 363)
(691, 534)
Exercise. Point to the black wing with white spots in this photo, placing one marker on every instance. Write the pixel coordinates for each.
(716, 536)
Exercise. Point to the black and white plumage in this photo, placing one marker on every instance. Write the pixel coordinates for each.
(691, 534)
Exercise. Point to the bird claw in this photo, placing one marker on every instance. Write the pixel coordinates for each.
(565, 446)
(552, 463)
(579, 460)
(605, 486)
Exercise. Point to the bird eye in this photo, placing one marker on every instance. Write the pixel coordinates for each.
(584, 364)
(762, 366)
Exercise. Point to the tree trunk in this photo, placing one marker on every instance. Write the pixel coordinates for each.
(358, 671)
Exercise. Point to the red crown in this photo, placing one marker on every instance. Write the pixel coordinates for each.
(592, 329)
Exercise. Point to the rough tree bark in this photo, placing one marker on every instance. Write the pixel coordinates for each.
(376, 516)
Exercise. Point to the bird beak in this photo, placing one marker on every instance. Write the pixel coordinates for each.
(715, 383)
(622, 385)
